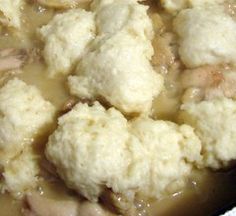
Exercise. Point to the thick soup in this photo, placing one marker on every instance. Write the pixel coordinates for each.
(117, 107)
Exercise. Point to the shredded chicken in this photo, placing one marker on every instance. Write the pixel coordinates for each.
(92, 209)
(209, 82)
(42, 206)
(69, 104)
(119, 203)
(37, 205)
(165, 52)
(128, 206)
(11, 58)
(158, 24)
(61, 3)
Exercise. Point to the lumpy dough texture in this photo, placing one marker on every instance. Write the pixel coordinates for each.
(66, 37)
(118, 67)
(23, 114)
(207, 35)
(94, 148)
(10, 12)
(214, 123)
(20, 174)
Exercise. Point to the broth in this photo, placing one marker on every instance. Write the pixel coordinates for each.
(208, 190)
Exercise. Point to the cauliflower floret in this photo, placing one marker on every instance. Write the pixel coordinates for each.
(23, 113)
(214, 123)
(207, 36)
(177, 5)
(118, 66)
(20, 174)
(94, 148)
(10, 12)
(66, 37)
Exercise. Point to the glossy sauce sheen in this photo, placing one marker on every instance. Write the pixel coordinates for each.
(206, 193)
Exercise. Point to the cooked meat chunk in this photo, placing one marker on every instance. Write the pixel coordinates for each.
(209, 82)
(12, 59)
(61, 3)
(41, 206)
(92, 209)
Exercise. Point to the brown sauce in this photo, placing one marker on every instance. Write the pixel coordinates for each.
(205, 194)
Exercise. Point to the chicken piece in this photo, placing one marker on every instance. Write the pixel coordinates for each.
(61, 4)
(157, 22)
(164, 50)
(92, 209)
(68, 105)
(37, 205)
(119, 203)
(42, 206)
(209, 82)
(11, 58)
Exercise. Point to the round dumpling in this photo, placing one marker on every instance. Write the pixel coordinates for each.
(94, 149)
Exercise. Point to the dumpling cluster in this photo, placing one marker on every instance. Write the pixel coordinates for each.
(94, 148)
(66, 38)
(115, 65)
(207, 40)
(24, 116)
(106, 53)
(207, 35)
(214, 123)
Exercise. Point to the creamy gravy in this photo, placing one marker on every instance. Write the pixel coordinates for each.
(208, 190)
